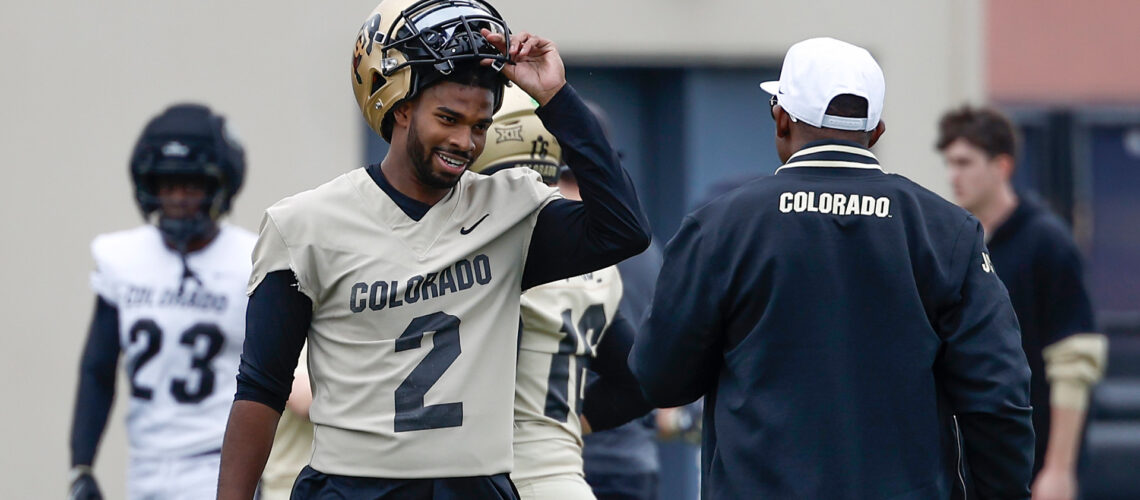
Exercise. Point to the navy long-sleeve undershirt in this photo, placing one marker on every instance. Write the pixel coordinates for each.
(570, 238)
(277, 321)
(96, 383)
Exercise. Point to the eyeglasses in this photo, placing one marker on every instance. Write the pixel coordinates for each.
(772, 102)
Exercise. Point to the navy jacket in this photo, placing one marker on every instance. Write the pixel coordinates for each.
(850, 337)
(1036, 258)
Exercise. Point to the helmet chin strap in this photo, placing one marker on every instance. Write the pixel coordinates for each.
(180, 232)
(186, 272)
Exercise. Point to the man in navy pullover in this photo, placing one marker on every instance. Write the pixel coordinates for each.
(845, 325)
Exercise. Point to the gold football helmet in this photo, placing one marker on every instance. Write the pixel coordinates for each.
(407, 45)
(518, 139)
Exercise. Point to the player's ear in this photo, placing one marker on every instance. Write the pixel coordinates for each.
(880, 129)
(402, 114)
(783, 122)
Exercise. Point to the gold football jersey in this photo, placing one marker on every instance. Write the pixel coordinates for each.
(563, 322)
(415, 324)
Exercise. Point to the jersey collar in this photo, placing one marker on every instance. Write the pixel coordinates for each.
(833, 154)
(419, 235)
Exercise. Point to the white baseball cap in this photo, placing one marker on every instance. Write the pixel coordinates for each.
(818, 69)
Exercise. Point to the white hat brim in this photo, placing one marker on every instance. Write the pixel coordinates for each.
(772, 87)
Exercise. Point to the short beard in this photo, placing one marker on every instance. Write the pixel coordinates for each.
(421, 158)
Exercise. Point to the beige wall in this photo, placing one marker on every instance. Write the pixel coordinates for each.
(80, 78)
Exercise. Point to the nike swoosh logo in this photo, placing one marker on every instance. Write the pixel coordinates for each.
(467, 230)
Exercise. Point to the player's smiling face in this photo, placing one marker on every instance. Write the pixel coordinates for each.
(447, 130)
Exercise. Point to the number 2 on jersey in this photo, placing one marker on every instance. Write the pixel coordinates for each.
(411, 413)
(151, 336)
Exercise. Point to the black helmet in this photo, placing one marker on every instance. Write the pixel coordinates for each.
(191, 141)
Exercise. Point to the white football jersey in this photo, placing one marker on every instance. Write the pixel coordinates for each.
(563, 322)
(415, 323)
(181, 350)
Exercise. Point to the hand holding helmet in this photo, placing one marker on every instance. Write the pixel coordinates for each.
(537, 67)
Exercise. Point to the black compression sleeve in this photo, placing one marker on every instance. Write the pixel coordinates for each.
(608, 225)
(96, 383)
(276, 323)
(614, 397)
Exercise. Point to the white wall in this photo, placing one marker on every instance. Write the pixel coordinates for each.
(80, 79)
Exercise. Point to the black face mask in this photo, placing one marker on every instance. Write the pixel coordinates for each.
(445, 32)
(180, 232)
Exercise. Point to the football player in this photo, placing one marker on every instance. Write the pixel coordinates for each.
(170, 295)
(568, 325)
(405, 277)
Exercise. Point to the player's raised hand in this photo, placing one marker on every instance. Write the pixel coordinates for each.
(537, 68)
